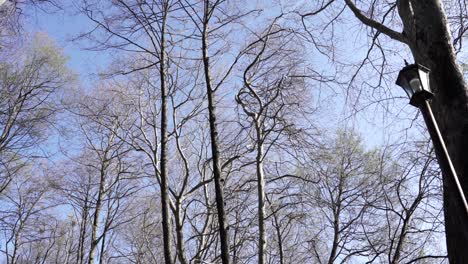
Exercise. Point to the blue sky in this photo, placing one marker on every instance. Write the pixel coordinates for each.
(64, 26)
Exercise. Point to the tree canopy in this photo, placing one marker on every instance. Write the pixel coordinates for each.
(229, 132)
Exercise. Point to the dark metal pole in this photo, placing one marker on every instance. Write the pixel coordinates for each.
(441, 149)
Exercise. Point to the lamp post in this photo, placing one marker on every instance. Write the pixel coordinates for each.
(414, 79)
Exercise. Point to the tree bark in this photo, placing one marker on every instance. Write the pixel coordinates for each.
(260, 194)
(97, 211)
(180, 233)
(219, 193)
(426, 33)
(83, 224)
(336, 208)
(279, 237)
(431, 45)
(166, 224)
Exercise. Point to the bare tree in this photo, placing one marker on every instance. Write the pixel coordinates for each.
(340, 198)
(25, 222)
(208, 11)
(410, 202)
(270, 81)
(209, 18)
(198, 144)
(31, 81)
(143, 14)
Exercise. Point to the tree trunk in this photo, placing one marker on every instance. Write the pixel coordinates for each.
(80, 255)
(166, 224)
(222, 221)
(103, 247)
(83, 224)
(278, 236)
(260, 195)
(97, 211)
(427, 34)
(431, 45)
(180, 234)
(104, 232)
(203, 241)
(336, 207)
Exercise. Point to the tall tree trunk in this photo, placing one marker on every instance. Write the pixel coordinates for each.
(97, 211)
(203, 241)
(15, 248)
(336, 232)
(222, 219)
(431, 45)
(84, 222)
(80, 255)
(262, 242)
(400, 243)
(427, 34)
(166, 224)
(104, 231)
(278, 236)
(103, 248)
(180, 234)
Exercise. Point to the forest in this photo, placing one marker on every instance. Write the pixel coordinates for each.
(230, 131)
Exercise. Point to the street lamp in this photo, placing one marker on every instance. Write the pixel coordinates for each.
(414, 79)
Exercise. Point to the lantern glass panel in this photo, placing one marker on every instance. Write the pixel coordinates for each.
(424, 77)
(415, 84)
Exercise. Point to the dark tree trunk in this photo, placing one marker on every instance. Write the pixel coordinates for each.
(97, 211)
(223, 233)
(84, 217)
(426, 33)
(431, 45)
(336, 208)
(166, 223)
(222, 221)
(103, 247)
(278, 236)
